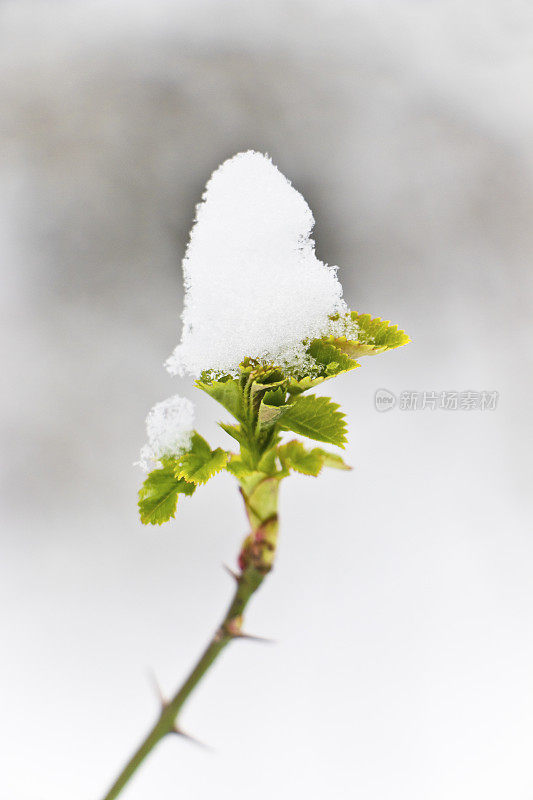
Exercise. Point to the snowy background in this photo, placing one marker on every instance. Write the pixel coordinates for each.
(402, 600)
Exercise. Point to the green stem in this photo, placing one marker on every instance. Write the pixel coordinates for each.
(247, 583)
(256, 561)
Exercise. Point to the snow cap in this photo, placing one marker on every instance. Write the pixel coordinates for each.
(169, 426)
(253, 284)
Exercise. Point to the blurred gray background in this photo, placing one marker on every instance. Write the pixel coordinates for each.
(402, 601)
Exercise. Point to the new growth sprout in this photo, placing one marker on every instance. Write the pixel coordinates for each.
(264, 322)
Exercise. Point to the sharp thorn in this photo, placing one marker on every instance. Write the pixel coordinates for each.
(231, 572)
(253, 638)
(157, 688)
(178, 731)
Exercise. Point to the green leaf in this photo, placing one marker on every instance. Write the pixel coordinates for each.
(158, 495)
(267, 462)
(272, 408)
(371, 336)
(334, 355)
(275, 397)
(299, 385)
(267, 416)
(200, 463)
(332, 459)
(235, 431)
(330, 358)
(225, 391)
(293, 455)
(316, 418)
(379, 332)
(237, 467)
(264, 392)
(329, 361)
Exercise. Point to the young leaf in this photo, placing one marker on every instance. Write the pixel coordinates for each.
(267, 462)
(294, 456)
(372, 336)
(317, 418)
(309, 462)
(235, 431)
(330, 361)
(225, 391)
(334, 355)
(237, 467)
(379, 332)
(158, 495)
(330, 358)
(200, 463)
(333, 460)
(299, 385)
(271, 408)
(262, 393)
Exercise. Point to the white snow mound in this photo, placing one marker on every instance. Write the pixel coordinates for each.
(253, 284)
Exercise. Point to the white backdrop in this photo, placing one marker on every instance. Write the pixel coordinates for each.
(401, 602)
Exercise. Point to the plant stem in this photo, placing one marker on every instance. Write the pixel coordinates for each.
(256, 561)
(248, 582)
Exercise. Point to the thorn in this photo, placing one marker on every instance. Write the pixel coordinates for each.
(157, 688)
(252, 638)
(178, 731)
(231, 572)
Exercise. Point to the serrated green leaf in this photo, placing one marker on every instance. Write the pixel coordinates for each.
(379, 332)
(255, 398)
(335, 355)
(158, 495)
(268, 415)
(267, 462)
(235, 431)
(332, 459)
(225, 391)
(299, 385)
(330, 358)
(317, 418)
(200, 463)
(293, 455)
(372, 336)
(272, 388)
(275, 397)
(237, 467)
(329, 361)
(264, 374)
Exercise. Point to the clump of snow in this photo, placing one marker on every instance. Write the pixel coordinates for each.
(169, 426)
(343, 325)
(253, 284)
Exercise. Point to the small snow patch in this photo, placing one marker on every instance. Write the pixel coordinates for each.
(169, 426)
